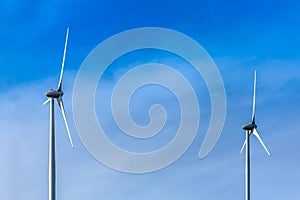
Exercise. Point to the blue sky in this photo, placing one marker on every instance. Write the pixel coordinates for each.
(239, 36)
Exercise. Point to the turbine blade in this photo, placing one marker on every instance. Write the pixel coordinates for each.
(243, 147)
(254, 96)
(45, 102)
(61, 105)
(260, 140)
(63, 62)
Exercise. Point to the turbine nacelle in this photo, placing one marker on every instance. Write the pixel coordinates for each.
(249, 127)
(55, 94)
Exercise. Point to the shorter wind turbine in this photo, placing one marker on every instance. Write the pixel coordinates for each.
(251, 129)
(56, 94)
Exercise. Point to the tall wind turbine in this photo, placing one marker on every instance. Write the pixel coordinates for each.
(56, 94)
(251, 129)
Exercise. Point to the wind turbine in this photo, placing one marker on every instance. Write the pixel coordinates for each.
(251, 129)
(56, 94)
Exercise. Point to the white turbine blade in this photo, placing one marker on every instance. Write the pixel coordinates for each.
(63, 61)
(260, 140)
(243, 147)
(61, 105)
(45, 102)
(254, 96)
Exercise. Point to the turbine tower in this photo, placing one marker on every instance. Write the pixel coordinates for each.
(56, 94)
(251, 129)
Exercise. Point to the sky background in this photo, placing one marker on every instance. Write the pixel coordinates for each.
(240, 36)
